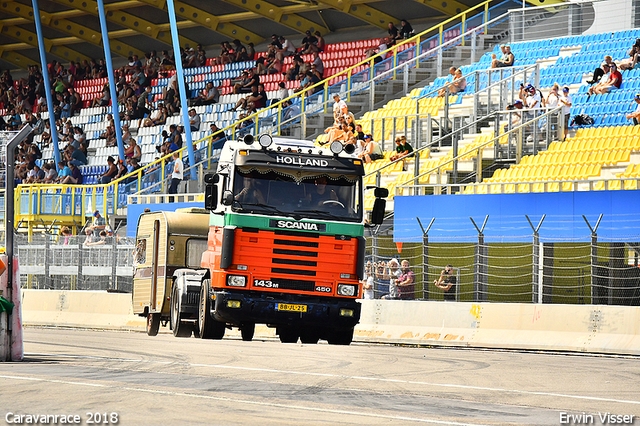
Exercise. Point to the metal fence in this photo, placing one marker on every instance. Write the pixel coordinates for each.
(55, 262)
(527, 269)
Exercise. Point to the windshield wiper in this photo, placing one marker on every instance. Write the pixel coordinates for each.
(275, 209)
(321, 212)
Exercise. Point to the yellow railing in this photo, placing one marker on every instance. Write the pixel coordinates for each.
(395, 50)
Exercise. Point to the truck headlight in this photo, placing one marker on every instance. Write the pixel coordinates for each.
(346, 290)
(236, 281)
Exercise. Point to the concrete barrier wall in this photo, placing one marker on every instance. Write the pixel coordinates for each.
(580, 328)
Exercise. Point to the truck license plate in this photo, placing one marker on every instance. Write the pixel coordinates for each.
(290, 307)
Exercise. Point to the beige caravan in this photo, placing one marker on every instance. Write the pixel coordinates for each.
(165, 242)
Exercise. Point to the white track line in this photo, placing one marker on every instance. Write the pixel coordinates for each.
(341, 376)
(244, 401)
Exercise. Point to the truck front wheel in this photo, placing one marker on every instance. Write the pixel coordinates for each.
(180, 328)
(288, 334)
(209, 328)
(247, 330)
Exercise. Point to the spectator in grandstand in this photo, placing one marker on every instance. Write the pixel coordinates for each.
(610, 85)
(283, 92)
(601, 71)
(98, 223)
(392, 273)
(167, 62)
(634, 57)
(176, 173)
(168, 145)
(158, 117)
(308, 40)
(339, 108)
(406, 30)
(122, 169)
(372, 150)
(359, 133)
(291, 112)
(447, 282)
(132, 166)
(393, 31)
(553, 98)
(240, 51)
(217, 134)
(194, 120)
(507, 59)
(367, 282)
(317, 62)
(350, 119)
(261, 67)
(111, 172)
(249, 78)
(209, 96)
(531, 97)
(65, 171)
(457, 85)
(403, 148)
(66, 233)
(75, 156)
(109, 133)
(15, 122)
(406, 282)
(104, 99)
(89, 239)
(50, 173)
(133, 150)
(273, 65)
(35, 175)
(295, 69)
(176, 135)
(383, 45)
(191, 60)
(257, 99)
(75, 100)
(75, 178)
(336, 132)
(635, 115)
(245, 125)
(251, 51)
(565, 101)
(322, 44)
(309, 80)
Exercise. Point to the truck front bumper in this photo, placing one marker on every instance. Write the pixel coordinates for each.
(274, 309)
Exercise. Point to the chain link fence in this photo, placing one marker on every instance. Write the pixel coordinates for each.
(65, 263)
(542, 271)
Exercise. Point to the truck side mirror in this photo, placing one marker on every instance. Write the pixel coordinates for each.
(227, 198)
(210, 196)
(377, 214)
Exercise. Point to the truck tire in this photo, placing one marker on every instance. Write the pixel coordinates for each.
(153, 324)
(247, 331)
(205, 322)
(340, 337)
(309, 337)
(180, 328)
(288, 334)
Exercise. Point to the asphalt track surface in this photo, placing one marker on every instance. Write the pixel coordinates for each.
(163, 380)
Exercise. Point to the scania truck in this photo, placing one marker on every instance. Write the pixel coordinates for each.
(285, 246)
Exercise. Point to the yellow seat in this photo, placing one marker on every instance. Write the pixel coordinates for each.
(630, 184)
(523, 188)
(553, 187)
(567, 186)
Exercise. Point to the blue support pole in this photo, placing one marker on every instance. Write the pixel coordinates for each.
(47, 83)
(181, 86)
(112, 83)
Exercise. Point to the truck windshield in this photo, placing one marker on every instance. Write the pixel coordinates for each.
(319, 196)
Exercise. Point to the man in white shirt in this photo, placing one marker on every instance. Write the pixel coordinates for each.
(176, 174)
(339, 107)
(565, 100)
(635, 115)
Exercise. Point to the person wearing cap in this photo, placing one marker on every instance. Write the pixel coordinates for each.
(565, 100)
(372, 151)
(507, 60)
(612, 84)
(98, 224)
(531, 97)
(635, 115)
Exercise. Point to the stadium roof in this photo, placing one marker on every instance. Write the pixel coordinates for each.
(71, 28)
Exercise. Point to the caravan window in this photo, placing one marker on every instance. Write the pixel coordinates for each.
(195, 248)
